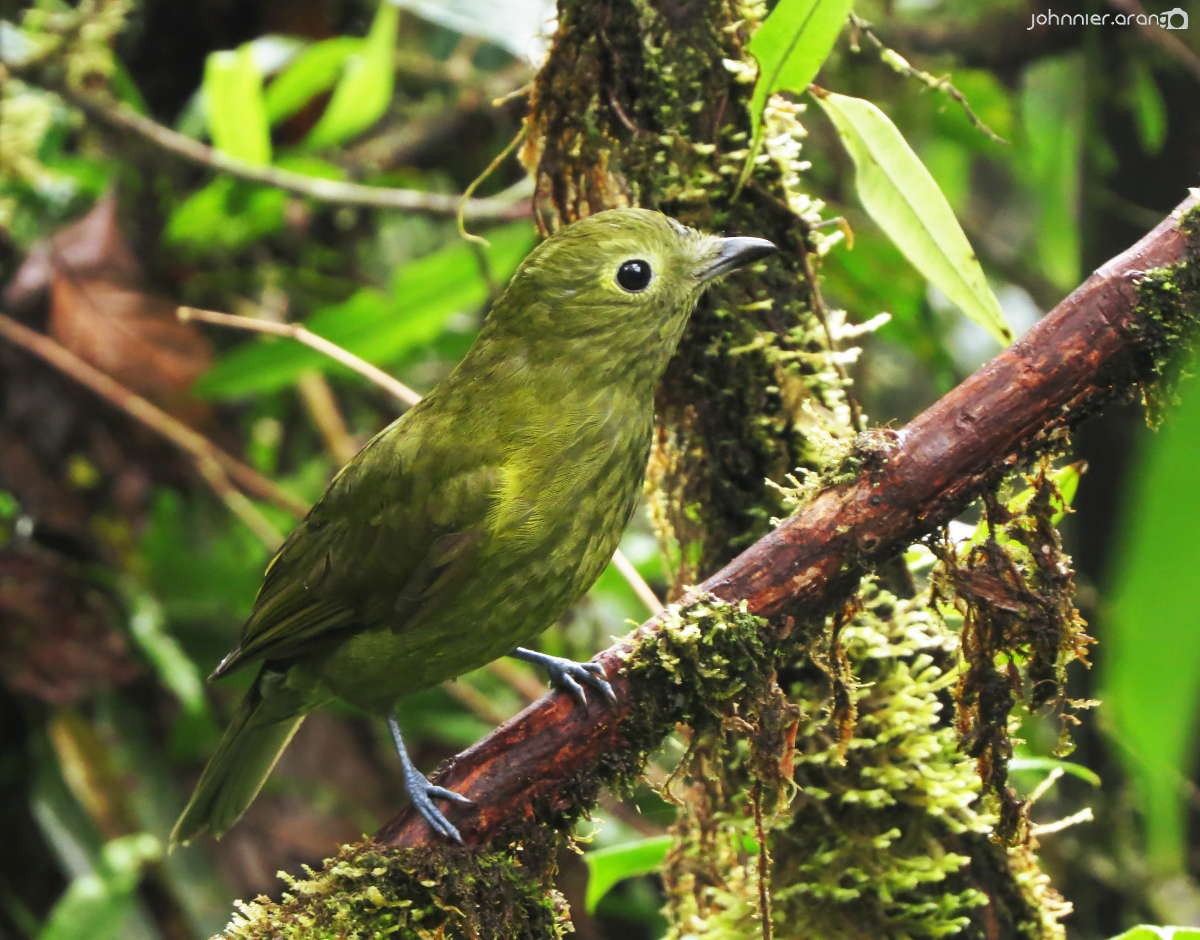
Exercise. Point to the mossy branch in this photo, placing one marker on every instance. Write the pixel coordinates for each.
(1113, 336)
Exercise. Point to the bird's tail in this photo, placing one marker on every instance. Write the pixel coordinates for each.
(251, 745)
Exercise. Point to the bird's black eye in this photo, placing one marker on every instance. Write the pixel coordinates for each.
(634, 275)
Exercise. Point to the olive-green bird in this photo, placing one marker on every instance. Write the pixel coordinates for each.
(474, 521)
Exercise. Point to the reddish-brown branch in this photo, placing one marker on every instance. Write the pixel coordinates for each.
(1088, 350)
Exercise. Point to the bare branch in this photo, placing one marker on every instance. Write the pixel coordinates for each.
(301, 334)
(512, 204)
(208, 456)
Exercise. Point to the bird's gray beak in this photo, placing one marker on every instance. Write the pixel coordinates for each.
(734, 253)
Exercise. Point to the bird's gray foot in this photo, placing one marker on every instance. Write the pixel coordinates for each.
(569, 675)
(422, 793)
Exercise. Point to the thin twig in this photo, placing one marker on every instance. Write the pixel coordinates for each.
(488, 170)
(323, 410)
(190, 441)
(302, 334)
(238, 503)
(1045, 829)
(891, 58)
(633, 577)
(512, 204)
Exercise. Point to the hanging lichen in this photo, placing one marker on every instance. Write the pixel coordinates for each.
(1014, 588)
(884, 825)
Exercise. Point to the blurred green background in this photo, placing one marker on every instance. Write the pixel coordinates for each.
(125, 574)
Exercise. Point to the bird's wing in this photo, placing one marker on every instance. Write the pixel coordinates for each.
(395, 529)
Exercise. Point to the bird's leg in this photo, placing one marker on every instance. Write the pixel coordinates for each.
(421, 792)
(567, 674)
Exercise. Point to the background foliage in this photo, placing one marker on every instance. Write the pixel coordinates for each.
(126, 567)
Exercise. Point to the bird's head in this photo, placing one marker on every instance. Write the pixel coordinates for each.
(621, 283)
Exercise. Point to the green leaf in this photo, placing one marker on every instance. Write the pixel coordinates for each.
(1150, 678)
(311, 72)
(365, 89)
(901, 196)
(1066, 481)
(147, 626)
(1146, 932)
(97, 904)
(607, 867)
(790, 47)
(1052, 114)
(1046, 764)
(233, 100)
(225, 215)
(1149, 109)
(372, 324)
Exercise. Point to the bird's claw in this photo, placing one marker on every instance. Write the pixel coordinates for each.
(422, 794)
(572, 677)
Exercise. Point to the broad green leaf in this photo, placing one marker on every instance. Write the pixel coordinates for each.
(375, 325)
(364, 91)
(607, 867)
(1150, 673)
(790, 47)
(97, 904)
(233, 102)
(311, 72)
(1147, 932)
(900, 195)
(1052, 113)
(950, 163)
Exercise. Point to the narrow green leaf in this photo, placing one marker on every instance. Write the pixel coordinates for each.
(1150, 673)
(790, 47)
(1046, 764)
(175, 670)
(314, 70)
(900, 195)
(607, 867)
(1147, 932)
(365, 89)
(1149, 109)
(375, 325)
(233, 100)
(1052, 114)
